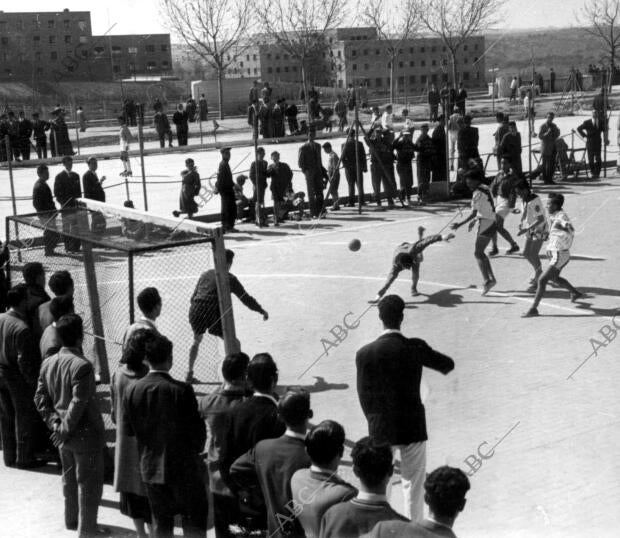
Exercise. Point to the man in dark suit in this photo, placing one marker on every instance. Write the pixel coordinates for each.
(548, 135)
(43, 202)
(272, 463)
(591, 130)
(163, 415)
(224, 186)
(348, 159)
(309, 161)
(467, 143)
(372, 464)
(93, 189)
(67, 190)
(318, 488)
(389, 371)
(66, 398)
(252, 421)
(19, 367)
(445, 490)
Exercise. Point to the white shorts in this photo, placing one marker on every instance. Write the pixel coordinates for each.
(558, 258)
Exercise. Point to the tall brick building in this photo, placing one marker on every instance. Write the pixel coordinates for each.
(355, 55)
(55, 46)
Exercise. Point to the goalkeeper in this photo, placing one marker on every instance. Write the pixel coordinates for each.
(409, 256)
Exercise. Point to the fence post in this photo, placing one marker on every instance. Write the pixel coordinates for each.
(231, 344)
(9, 155)
(141, 146)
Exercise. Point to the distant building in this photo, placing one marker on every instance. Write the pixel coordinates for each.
(57, 46)
(355, 55)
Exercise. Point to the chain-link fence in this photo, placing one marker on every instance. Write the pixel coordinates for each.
(112, 258)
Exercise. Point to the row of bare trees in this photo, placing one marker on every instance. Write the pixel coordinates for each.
(220, 31)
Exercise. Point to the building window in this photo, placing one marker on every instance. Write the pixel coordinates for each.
(353, 52)
(465, 60)
(423, 79)
(400, 64)
(116, 68)
(255, 71)
(354, 67)
(434, 62)
(2, 26)
(67, 39)
(378, 82)
(444, 49)
(377, 52)
(151, 65)
(366, 67)
(164, 48)
(294, 69)
(475, 59)
(151, 48)
(270, 69)
(53, 55)
(254, 57)
(240, 64)
(132, 50)
(411, 79)
(423, 63)
(116, 50)
(478, 75)
(464, 47)
(84, 54)
(466, 75)
(434, 77)
(37, 56)
(83, 39)
(433, 49)
(52, 39)
(39, 71)
(166, 65)
(411, 63)
(51, 24)
(286, 68)
(365, 52)
(410, 50)
(4, 41)
(66, 24)
(422, 49)
(339, 54)
(277, 69)
(82, 25)
(19, 25)
(401, 82)
(269, 56)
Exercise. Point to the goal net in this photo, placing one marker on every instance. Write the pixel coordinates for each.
(117, 252)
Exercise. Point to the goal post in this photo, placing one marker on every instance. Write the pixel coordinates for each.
(121, 251)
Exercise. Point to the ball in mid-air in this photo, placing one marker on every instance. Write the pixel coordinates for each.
(355, 245)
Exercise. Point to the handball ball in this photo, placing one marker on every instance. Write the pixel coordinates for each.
(355, 245)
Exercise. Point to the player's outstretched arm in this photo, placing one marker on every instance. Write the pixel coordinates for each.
(457, 225)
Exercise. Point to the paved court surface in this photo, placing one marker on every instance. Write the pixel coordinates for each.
(530, 395)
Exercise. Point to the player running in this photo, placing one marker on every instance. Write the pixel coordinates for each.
(483, 210)
(534, 226)
(409, 256)
(561, 234)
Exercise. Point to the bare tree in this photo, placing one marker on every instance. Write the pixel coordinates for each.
(603, 17)
(299, 28)
(216, 30)
(455, 21)
(394, 24)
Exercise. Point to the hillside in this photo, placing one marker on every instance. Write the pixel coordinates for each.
(558, 48)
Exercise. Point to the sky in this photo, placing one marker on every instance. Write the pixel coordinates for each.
(142, 16)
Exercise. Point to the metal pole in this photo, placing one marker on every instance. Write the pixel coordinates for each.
(141, 147)
(77, 132)
(257, 207)
(530, 119)
(200, 126)
(359, 178)
(7, 142)
(606, 85)
(132, 313)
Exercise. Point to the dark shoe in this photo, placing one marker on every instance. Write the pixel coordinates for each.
(493, 252)
(32, 464)
(532, 288)
(72, 526)
(531, 313)
(575, 296)
(514, 248)
(488, 285)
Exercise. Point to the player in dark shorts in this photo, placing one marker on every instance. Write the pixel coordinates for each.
(204, 310)
(409, 256)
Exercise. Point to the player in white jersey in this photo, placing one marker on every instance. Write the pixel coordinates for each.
(534, 226)
(125, 137)
(483, 210)
(561, 234)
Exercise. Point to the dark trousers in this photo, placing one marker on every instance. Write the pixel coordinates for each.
(351, 176)
(25, 148)
(41, 147)
(594, 158)
(293, 126)
(18, 419)
(225, 512)
(188, 499)
(162, 138)
(548, 167)
(424, 177)
(434, 112)
(229, 210)
(182, 135)
(333, 188)
(405, 175)
(314, 184)
(68, 225)
(379, 176)
(82, 486)
(439, 170)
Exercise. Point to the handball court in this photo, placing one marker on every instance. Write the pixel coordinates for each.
(530, 395)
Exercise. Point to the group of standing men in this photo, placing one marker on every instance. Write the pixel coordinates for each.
(25, 134)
